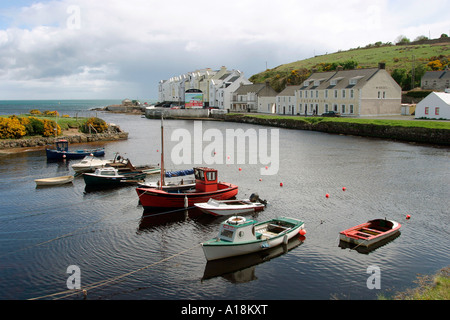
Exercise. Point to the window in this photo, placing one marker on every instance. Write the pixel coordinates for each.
(300, 94)
(343, 108)
(335, 93)
(384, 94)
(343, 93)
(335, 107)
(300, 107)
(351, 108)
(379, 94)
(326, 107)
(326, 94)
(427, 110)
(306, 94)
(317, 93)
(436, 111)
(351, 93)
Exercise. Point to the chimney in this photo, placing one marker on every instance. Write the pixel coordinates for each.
(381, 65)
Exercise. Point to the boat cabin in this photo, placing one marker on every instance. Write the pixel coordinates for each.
(106, 171)
(237, 229)
(205, 179)
(62, 145)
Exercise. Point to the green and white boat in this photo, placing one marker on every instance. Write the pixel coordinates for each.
(238, 236)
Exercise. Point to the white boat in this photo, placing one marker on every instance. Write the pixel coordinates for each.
(90, 163)
(54, 181)
(229, 207)
(238, 236)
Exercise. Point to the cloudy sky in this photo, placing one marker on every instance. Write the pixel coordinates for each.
(111, 49)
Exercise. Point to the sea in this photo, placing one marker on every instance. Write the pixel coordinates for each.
(55, 240)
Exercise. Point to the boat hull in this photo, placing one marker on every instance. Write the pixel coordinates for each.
(214, 250)
(54, 181)
(77, 154)
(156, 198)
(94, 180)
(239, 207)
(369, 233)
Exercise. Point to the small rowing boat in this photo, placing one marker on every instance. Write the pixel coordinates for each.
(229, 207)
(54, 181)
(238, 236)
(371, 232)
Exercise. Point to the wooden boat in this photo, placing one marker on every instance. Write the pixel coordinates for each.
(238, 236)
(229, 207)
(62, 152)
(206, 187)
(371, 232)
(54, 181)
(109, 176)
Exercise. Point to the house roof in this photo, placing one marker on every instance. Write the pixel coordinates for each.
(261, 89)
(339, 79)
(443, 96)
(434, 75)
(289, 91)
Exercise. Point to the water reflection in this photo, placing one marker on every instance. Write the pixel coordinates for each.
(367, 250)
(242, 268)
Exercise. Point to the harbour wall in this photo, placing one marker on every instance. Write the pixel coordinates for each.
(155, 113)
(72, 139)
(409, 134)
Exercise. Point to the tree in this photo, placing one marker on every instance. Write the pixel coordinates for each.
(402, 40)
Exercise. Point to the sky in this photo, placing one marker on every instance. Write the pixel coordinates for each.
(111, 49)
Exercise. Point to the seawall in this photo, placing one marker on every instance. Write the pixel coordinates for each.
(73, 139)
(409, 134)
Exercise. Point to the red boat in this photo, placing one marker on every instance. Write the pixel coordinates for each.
(206, 187)
(368, 233)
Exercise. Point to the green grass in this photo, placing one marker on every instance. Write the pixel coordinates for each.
(381, 122)
(435, 287)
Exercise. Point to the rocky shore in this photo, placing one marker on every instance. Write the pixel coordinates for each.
(17, 145)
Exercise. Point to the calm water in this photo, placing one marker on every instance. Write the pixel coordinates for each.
(107, 234)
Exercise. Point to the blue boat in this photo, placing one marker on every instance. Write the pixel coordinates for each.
(62, 152)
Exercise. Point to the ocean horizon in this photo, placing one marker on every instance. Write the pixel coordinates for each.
(70, 107)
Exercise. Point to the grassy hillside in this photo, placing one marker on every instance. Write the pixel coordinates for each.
(398, 59)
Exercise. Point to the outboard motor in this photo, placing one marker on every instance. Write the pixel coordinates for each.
(255, 198)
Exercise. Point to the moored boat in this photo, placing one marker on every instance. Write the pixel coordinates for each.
(179, 196)
(229, 207)
(371, 232)
(109, 176)
(54, 181)
(62, 152)
(238, 236)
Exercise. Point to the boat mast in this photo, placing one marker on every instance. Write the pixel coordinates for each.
(162, 153)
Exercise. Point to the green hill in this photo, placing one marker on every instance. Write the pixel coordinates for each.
(399, 60)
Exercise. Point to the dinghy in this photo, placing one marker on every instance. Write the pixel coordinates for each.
(54, 181)
(229, 207)
(371, 232)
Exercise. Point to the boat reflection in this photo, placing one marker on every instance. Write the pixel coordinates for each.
(156, 217)
(241, 269)
(367, 250)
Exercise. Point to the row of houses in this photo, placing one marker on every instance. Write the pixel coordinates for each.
(358, 92)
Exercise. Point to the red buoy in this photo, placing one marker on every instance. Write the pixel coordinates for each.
(344, 188)
(302, 232)
(408, 216)
(281, 184)
(240, 169)
(327, 195)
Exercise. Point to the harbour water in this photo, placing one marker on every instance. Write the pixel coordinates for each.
(150, 256)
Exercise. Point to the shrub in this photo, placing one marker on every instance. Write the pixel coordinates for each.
(11, 128)
(35, 111)
(51, 113)
(49, 128)
(98, 124)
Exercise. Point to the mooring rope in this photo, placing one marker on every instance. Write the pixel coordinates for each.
(98, 284)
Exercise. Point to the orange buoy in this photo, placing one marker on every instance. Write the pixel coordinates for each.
(327, 195)
(302, 232)
(240, 169)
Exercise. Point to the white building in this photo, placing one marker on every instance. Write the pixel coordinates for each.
(434, 106)
(286, 101)
(216, 85)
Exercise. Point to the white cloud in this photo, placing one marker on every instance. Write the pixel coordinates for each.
(116, 49)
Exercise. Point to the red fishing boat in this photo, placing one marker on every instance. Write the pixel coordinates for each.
(182, 196)
(206, 187)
